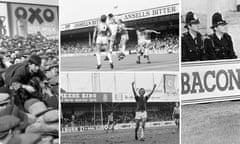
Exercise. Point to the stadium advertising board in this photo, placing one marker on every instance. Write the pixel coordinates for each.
(148, 124)
(30, 19)
(4, 27)
(85, 97)
(118, 126)
(87, 23)
(210, 81)
(160, 11)
(148, 13)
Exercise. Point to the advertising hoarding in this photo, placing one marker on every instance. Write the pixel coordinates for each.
(30, 19)
(210, 81)
(86, 97)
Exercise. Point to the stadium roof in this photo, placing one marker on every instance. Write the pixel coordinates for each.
(129, 16)
(163, 20)
(74, 11)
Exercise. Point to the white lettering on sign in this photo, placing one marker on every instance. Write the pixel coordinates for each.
(87, 23)
(86, 97)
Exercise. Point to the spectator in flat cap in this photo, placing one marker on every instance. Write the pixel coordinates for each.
(2, 78)
(52, 75)
(220, 41)
(51, 116)
(18, 76)
(23, 58)
(3, 62)
(52, 70)
(7, 126)
(44, 62)
(7, 108)
(25, 139)
(46, 118)
(7, 61)
(50, 95)
(4, 98)
(34, 59)
(35, 107)
(17, 60)
(46, 140)
(54, 85)
(50, 59)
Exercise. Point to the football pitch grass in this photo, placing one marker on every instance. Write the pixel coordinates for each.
(157, 135)
(212, 123)
(159, 62)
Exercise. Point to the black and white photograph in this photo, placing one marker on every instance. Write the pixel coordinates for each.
(119, 72)
(118, 107)
(29, 73)
(210, 72)
(210, 30)
(119, 35)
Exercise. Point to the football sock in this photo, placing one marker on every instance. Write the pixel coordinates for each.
(109, 57)
(98, 58)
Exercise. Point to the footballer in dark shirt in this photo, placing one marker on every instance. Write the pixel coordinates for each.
(141, 111)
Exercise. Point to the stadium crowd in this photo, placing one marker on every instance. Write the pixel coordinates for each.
(28, 90)
(87, 118)
(167, 41)
(75, 47)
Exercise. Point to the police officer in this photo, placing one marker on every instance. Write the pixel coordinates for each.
(220, 41)
(192, 43)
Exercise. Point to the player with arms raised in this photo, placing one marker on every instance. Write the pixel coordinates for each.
(113, 26)
(141, 111)
(123, 30)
